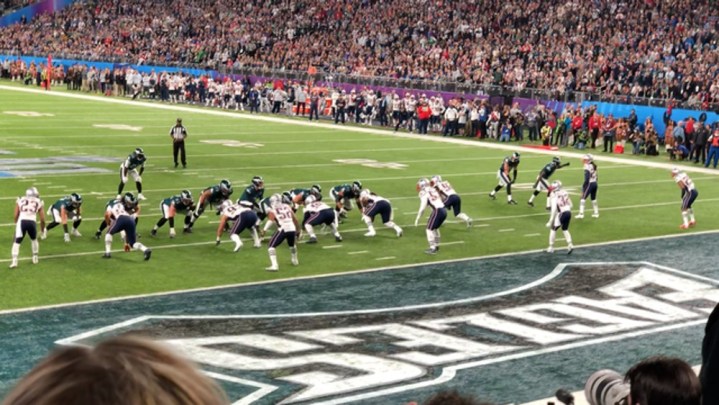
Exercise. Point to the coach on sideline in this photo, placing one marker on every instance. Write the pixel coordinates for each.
(178, 133)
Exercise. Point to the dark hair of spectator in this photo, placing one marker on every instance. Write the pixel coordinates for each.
(453, 398)
(125, 370)
(663, 381)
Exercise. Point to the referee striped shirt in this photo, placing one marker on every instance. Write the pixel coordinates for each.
(178, 133)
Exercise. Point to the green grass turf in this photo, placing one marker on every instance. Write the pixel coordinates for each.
(634, 201)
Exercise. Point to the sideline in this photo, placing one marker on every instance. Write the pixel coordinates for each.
(431, 138)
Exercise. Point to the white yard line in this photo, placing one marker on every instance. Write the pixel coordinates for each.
(386, 258)
(358, 252)
(265, 118)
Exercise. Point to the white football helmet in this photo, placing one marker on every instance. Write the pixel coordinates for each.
(32, 192)
(225, 204)
(275, 200)
(436, 179)
(557, 185)
(675, 171)
(588, 157)
(422, 183)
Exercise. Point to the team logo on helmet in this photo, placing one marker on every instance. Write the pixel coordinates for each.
(258, 182)
(356, 186)
(225, 187)
(76, 199)
(186, 196)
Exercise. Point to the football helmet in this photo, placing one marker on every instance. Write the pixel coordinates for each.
(588, 157)
(225, 187)
(514, 157)
(365, 194)
(356, 186)
(258, 182)
(275, 200)
(186, 197)
(556, 160)
(422, 183)
(129, 200)
(76, 199)
(557, 185)
(316, 190)
(675, 171)
(225, 204)
(436, 179)
(286, 197)
(140, 153)
(32, 192)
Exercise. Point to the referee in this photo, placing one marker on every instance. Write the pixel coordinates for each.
(178, 133)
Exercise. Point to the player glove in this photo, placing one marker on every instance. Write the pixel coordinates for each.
(548, 224)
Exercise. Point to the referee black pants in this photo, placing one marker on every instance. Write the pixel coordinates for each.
(179, 147)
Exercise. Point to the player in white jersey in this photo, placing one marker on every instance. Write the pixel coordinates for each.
(560, 215)
(450, 198)
(120, 219)
(589, 187)
(27, 209)
(689, 194)
(429, 197)
(318, 213)
(373, 205)
(243, 217)
(287, 228)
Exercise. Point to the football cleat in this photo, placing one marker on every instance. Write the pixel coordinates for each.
(272, 268)
(492, 196)
(469, 223)
(370, 234)
(550, 250)
(97, 235)
(141, 197)
(692, 223)
(548, 208)
(75, 232)
(257, 245)
(399, 233)
(106, 256)
(153, 232)
(570, 248)
(172, 233)
(431, 251)
(35, 259)
(512, 202)
(43, 234)
(187, 230)
(338, 238)
(531, 204)
(237, 248)
(66, 237)
(595, 215)
(13, 265)
(683, 226)
(579, 216)
(313, 239)
(147, 254)
(295, 261)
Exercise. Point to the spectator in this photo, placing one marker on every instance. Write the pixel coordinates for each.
(124, 370)
(663, 380)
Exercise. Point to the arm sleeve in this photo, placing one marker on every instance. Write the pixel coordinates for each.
(422, 207)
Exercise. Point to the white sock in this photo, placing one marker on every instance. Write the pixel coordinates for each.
(310, 231)
(255, 236)
(108, 243)
(509, 197)
(463, 217)
(595, 206)
(139, 246)
(293, 252)
(267, 226)
(236, 238)
(552, 237)
(581, 207)
(35, 247)
(15, 251)
(430, 238)
(367, 220)
(685, 218)
(436, 238)
(567, 237)
(691, 215)
(531, 199)
(273, 256)
(390, 224)
(335, 231)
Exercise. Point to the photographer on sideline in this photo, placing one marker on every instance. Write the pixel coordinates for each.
(663, 381)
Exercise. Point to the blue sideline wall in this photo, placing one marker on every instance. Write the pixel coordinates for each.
(656, 113)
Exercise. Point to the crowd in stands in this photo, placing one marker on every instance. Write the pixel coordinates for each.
(638, 48)
(10, 5)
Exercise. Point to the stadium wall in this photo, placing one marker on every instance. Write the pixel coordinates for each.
(31, 11)
(617, 110)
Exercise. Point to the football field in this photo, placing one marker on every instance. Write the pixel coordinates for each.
(63, 143)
